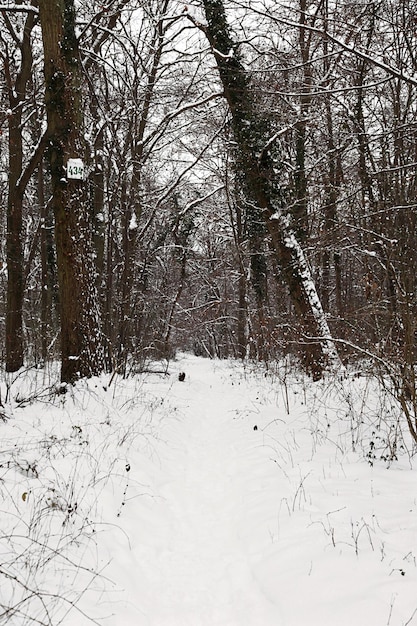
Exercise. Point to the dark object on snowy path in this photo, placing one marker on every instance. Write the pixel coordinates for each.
(255, 427)
(181, 376)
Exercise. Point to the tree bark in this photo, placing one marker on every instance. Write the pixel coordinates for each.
(14, 251)
(14, 244)
(236, 219)
(259, 168)
(81, 339)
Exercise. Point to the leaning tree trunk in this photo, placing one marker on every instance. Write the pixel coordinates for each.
(81, 339)
(259, 170)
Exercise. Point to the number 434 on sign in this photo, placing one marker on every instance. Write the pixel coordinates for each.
(75, 169)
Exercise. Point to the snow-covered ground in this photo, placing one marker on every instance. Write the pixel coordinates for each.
(239, 497)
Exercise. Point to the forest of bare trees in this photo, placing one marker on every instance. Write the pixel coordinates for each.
(249, 183)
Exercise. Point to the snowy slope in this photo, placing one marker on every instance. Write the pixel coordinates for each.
(230, 499)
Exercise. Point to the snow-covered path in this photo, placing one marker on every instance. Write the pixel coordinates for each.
(155, 502)
(199, 570)
(250, 510)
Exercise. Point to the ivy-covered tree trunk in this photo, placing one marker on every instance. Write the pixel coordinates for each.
(258, 166)
(81, 339)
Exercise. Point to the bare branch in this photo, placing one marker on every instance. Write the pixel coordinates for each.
(393, 71)
(33, 163)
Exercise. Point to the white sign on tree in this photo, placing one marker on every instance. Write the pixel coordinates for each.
(75, 169)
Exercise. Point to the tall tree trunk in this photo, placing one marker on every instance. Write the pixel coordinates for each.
(98, 183)
(14, 250)
(81, 339)
(108, 313)
(332, 186)
(236, 219)
(49, 291)
(14, 244)
(259, 169)
(299, 210)
(258, 274)
(132, 207)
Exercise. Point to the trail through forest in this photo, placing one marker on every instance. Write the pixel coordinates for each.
(233, 498)
(261, 515)
(204, 573)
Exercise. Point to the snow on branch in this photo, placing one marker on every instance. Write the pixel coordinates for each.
(276, 136)
(196, 160)
(191, 105)
(225, 57)
(347, 47)
(191, 205)
(171, 115)
(19, 8)
(299, 260)
(33, 162)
